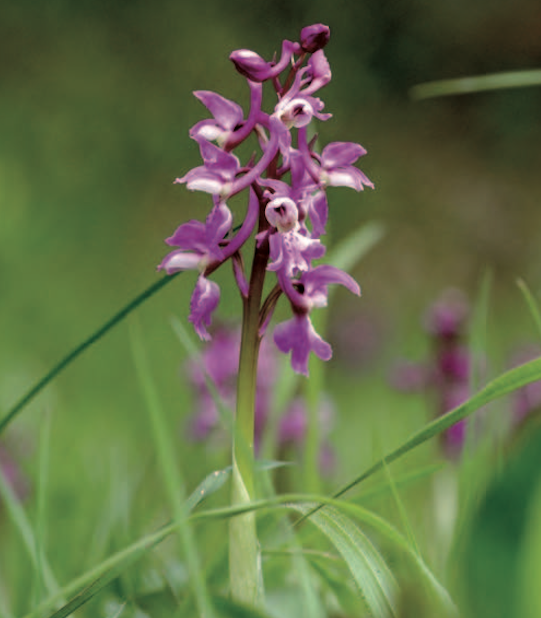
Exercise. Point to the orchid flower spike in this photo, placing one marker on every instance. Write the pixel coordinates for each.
(285, 184)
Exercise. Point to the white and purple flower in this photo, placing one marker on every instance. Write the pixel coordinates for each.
(287, 207)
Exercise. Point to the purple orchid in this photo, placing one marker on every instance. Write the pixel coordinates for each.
(447, 373)
(228, 116)
(315, 37)
(199, 242)
(287, 208)
(299, 337)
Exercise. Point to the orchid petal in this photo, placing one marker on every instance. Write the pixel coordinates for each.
(299, 337)
(205, 299)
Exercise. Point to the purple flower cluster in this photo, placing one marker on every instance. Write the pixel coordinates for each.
(286, 193)
(447, 373)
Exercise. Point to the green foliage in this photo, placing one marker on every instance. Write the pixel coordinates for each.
(499, 557)
(374, 579)
(95, 101)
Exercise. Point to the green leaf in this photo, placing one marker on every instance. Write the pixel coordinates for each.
(501, 530)
(374, 579)
(227, 608)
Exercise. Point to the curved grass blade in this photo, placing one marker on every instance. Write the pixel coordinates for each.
(373, 577)
(41, 504)
(437, 594)
(78, 350)
(83, 588)
(532, 304)
(22, 523)
(346, 253)
(227, 608)
(500, 386)
(91, 582)
(400, 482)
(467, 85)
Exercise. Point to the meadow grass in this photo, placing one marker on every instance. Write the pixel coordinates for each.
(116, 556)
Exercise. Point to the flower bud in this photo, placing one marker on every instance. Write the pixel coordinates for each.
(250, 64)
(315, 37)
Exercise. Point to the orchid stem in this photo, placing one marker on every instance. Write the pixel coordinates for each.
(244, 553)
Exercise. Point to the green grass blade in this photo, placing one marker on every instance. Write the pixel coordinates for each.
(41, 502)
(530, 563)
(5, 612)
(400, 481)
(83, 588)
(346, 253)
(436, 593)
(171, 472)
(346, 595)
(500, 386)
(95, 579)
(478, 83)
(227, 608)
(478, 331)
(373, 577)
(401, 510)
(84, 345)
(532, 304)
(21, 522)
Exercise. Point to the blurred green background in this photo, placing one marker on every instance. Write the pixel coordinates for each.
(95, 108)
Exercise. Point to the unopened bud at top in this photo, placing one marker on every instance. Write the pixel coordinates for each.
(315, 37)
(250, 64)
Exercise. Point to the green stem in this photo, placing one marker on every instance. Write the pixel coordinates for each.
(244, 554)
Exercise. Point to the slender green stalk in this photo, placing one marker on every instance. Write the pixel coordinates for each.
(22, 523)
(78, 350)
(312, 391)
(244, 554)
(41, 503)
